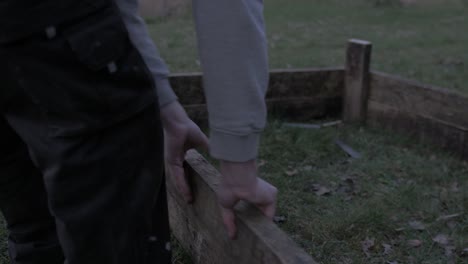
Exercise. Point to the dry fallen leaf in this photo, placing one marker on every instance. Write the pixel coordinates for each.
(444, 195)
(312, 187)
(442, 240)
(451, 224)
(323, 191)
(387, 249)
(449, 251)
(414, 243)
(318, 189)
(417, 225)
(291, 172)
(346, 186)
(367, 245)
(455, 187)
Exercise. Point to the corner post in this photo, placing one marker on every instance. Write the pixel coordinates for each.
(357, 80)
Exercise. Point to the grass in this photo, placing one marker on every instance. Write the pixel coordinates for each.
(426, 42)
(396, 183)
(333, 203)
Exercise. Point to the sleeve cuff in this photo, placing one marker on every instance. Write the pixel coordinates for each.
(164, 91)
(233, 147)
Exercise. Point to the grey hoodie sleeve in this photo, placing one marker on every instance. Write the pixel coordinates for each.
(140, 38)
(233, 53)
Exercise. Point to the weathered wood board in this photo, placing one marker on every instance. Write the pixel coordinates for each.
(356, 90)
(199, 228)
(294, 95)
(428, 113)
(291, 109)
(283, 84)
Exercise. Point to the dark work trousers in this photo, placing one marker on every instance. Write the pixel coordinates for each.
(81, 148)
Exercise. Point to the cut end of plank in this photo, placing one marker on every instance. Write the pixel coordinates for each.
(360, 42)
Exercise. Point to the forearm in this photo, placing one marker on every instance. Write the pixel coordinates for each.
(233, 53)
(141, 39)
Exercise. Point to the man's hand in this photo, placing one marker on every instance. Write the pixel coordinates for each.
(180, 135)
(240, 182)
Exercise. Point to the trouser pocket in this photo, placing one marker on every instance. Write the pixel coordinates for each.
(87, 77)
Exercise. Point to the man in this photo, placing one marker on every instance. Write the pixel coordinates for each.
(81, 157)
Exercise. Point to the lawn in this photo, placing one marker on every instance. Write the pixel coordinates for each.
(398, 197)
(401, 202)
(426, 42)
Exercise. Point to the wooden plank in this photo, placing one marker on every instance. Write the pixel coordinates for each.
(188, 87)
(292, 109)
(199, 228)
(283, 83)
(348, 149)
(358, 57)
(161, 8)
(424, 128)
(314, 126)
(418, 99)
(306, 83)
(431, 114)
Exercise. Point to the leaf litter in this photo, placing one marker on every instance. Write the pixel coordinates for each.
(367, 245)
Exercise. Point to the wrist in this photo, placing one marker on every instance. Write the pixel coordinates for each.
(240, 177)
(173, 114)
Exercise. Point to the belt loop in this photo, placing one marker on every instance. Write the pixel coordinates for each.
(51, 32)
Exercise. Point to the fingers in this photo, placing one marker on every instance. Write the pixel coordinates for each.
(229, 220)
(227, 200)
(267, 196)
(177, 172)
(268, 210)
(265, 201)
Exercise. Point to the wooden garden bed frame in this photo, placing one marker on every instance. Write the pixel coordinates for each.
(354, 93)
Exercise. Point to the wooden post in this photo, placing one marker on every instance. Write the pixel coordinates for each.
(357, 80)
(199, 228)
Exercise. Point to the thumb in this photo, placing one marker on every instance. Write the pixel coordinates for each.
(177, 172)
(198, 139)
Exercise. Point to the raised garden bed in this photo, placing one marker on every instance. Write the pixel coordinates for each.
(430, 115)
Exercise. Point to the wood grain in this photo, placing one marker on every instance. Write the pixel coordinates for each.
(199, 228)
(407, 96)
(356, 90)
(424, 128)
(283, 84)
(430, 114)
(302, 109)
